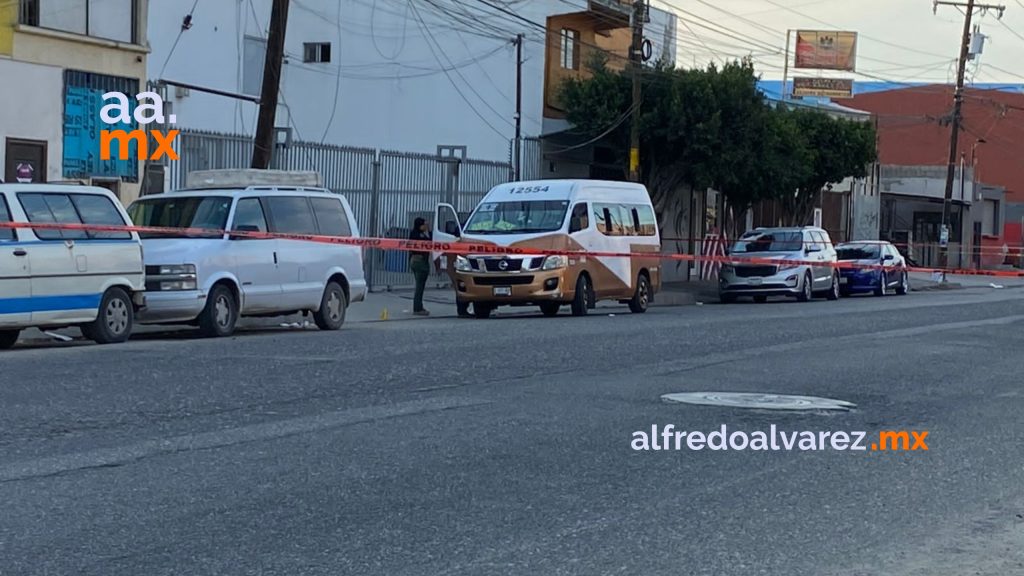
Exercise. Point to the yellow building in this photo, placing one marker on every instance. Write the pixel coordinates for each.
(57, 59)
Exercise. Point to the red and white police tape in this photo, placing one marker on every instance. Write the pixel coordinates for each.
(469, 247)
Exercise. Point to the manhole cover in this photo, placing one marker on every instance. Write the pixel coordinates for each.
(755, 400)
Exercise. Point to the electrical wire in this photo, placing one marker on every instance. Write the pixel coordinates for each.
(337, 83)
(450, 79)
(177, 39)
(373, 31)
(623, 118)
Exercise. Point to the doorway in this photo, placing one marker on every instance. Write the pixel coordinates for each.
(112, 184)
(25, 161)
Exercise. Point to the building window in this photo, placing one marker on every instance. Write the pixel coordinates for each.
(990, 222)
(570, 49)
(107, 19)
(316, 52)
(254, 53)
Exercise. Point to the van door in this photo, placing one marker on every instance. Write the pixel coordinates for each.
(15, 286)
(59, 294)
(254, 259)
(297, 261)
(104, 254)
(446, 224)
(332, 220)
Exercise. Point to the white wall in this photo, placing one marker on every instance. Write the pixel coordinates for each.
(393, 90)
(31, 108)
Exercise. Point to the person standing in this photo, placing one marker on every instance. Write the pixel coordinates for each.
(419, 264)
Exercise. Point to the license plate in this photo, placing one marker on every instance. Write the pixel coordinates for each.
(755, 281)
(502, 290)
(843, 280)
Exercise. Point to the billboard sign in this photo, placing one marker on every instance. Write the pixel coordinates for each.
(823, 87)
(826, 50)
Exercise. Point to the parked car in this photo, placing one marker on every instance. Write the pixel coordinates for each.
(808, 267)
(210, 280)
(876, 267)
(59, 278)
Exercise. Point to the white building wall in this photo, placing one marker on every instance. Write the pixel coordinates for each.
(400, 83)
(32, 104)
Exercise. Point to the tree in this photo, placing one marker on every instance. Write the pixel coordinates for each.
(836, 149)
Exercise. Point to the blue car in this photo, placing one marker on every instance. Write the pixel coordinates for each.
(875, 267)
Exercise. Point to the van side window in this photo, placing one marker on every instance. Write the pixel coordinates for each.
(812, 241)
(6, 234)
(249, 216)
(647, 224)
(609, 219)
(100, 210)
(627, 225)
(331, 217)
(580, 219)
(291, 215)
(51, 209)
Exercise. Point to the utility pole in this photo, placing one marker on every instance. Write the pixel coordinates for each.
(263, 145)
(636, 64)
(958, 99)
(519, 107)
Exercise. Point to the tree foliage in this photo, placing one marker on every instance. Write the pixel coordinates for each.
(712, 127)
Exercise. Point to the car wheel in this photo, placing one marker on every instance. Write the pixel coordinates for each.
(883, 285)
(833, 293)
(807, 290)
(904, 286)
(220, 315)
(113, 323)
(760, 299)
(482, 311)
(8, 338)
(581, 302)
(550, 309)
(642, 296)
(333, 305)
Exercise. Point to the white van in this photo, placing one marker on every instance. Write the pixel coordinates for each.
(571, 215)
(212, 280)
(60, 278)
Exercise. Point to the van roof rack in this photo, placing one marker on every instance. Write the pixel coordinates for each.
(253, 178)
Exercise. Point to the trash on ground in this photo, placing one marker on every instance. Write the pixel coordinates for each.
(994, 285)
(60, 337)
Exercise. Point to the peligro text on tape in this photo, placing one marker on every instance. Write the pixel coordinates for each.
(460, 248)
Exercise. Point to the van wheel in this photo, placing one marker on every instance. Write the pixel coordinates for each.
(331, 314)
(581, 302)
(642, 296)
(219, 316)
(8, 338)
(807, 290)
(113, 323)
(482, 311)
(550, 309)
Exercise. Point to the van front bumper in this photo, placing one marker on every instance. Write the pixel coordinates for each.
(172, 306)
(520, 289)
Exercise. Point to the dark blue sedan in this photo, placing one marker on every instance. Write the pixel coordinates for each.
(875, 267)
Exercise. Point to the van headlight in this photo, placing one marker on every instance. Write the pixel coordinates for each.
(462, 264)
(177, 277)
(555, 262)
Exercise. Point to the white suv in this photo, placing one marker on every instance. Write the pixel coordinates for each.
(212, 280)
(809, 266)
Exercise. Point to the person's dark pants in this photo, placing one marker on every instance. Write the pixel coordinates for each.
(420, 267)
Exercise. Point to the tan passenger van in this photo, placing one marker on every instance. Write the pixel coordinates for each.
(570, 215)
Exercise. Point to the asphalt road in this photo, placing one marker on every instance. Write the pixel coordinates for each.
(467, 447)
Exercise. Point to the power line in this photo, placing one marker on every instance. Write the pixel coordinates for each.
(337, 85)
(450, 79)
(185, 25)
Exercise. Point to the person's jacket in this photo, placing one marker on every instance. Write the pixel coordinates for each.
(420, 236)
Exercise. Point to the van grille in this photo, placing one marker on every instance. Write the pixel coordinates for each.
(502, 280)
(513, 265)
(755, 271)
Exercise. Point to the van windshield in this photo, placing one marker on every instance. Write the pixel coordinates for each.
(205, 212)
(518, 217)
(774, 241)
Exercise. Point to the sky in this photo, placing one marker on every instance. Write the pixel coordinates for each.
(899, 40)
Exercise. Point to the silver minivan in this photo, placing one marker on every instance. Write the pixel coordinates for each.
(807, 266)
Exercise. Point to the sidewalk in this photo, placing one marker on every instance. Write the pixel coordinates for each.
(922, 281)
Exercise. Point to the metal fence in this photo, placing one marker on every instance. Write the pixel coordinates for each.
(387, 189)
